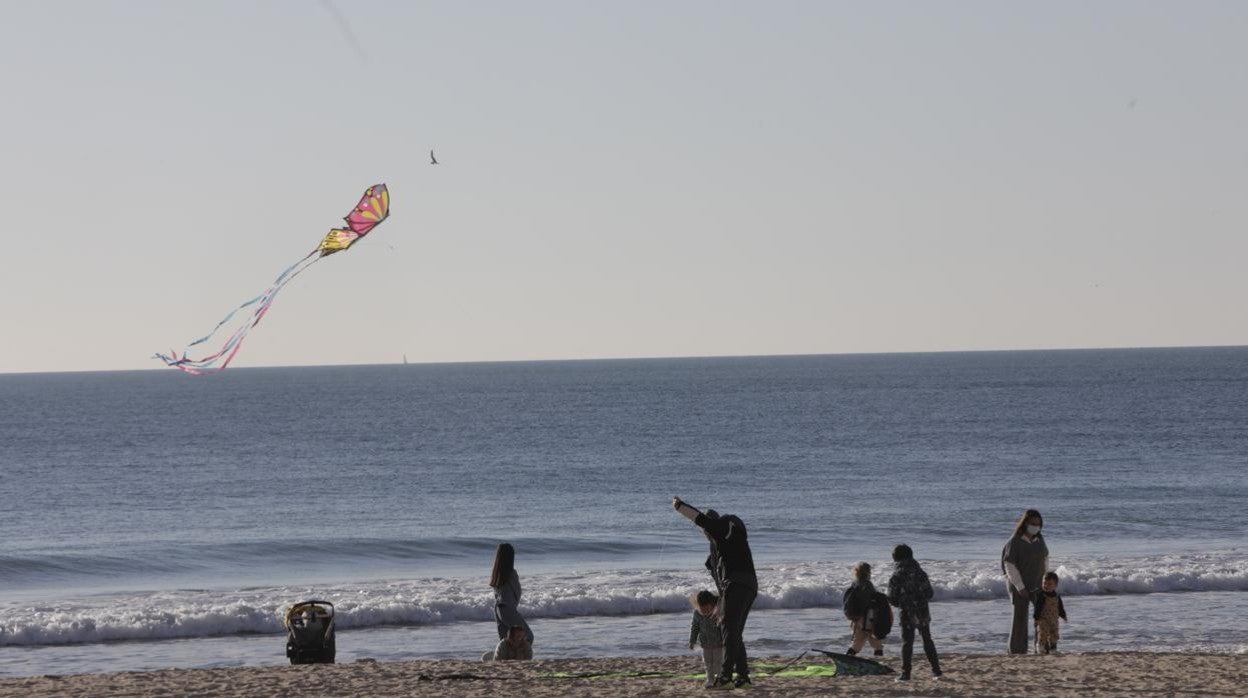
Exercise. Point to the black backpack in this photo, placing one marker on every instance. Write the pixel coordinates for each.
(882, 616)
(849, 602)
(855, 602)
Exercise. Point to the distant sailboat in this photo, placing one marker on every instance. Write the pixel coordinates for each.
(405, 359)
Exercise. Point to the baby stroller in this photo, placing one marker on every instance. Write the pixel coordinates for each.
(310, 633)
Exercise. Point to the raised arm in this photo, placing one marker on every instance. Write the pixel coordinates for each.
(685, 510)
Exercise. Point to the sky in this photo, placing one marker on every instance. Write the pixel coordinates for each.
(621, 179)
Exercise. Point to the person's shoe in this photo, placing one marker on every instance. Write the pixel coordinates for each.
(937, 677)
(902, 677)
(851, 651)
(721, 684)
(743, 682)
(879, 653)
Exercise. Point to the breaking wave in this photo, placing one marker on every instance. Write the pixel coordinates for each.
(621, 592)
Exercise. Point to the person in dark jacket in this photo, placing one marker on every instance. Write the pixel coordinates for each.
(506, 585)
(731, 565)
(909, 590)
(1024, 560)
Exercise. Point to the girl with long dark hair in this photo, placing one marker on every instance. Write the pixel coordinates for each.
(506, 585)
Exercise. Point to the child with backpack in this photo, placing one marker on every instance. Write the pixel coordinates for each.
(1049, 608)
(705, 629)
(858, 604)
(909, 590)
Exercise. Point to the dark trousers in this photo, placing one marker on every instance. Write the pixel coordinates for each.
(736, 606)
(907, 647)
(1022, 619)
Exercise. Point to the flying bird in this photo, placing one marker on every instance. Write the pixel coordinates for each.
(432, 159)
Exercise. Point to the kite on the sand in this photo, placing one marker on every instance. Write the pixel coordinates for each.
(374, 207)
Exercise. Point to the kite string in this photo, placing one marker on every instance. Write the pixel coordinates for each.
(276, 282)
(260, 313)
(205, 364)
(659, 568)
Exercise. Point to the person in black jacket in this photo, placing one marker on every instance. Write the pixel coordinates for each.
(731, 565)
(909, 589)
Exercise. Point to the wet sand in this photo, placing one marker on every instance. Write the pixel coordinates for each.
(1095, 674)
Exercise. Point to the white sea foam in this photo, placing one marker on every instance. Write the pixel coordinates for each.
(193, 614)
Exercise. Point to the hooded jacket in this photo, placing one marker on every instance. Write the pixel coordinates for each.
(856, 600)
(730, 560)
(909, 589)
(706, 630)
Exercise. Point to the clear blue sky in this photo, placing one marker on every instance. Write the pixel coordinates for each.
(622, 179)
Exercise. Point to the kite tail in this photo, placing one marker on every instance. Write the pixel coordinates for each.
(208, 364)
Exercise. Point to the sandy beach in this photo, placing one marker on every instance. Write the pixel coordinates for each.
(1096, 674)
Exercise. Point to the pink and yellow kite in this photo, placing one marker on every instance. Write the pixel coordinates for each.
(373, 208)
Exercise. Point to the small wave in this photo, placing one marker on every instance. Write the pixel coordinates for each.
(189, 614)
(16, 571)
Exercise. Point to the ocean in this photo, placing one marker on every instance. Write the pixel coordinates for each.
(153, 519)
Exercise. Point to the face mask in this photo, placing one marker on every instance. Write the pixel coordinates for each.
(1033, 530)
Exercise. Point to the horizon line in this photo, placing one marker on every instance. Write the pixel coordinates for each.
(662, 358)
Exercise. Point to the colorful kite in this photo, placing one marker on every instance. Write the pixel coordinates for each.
(374, 207)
